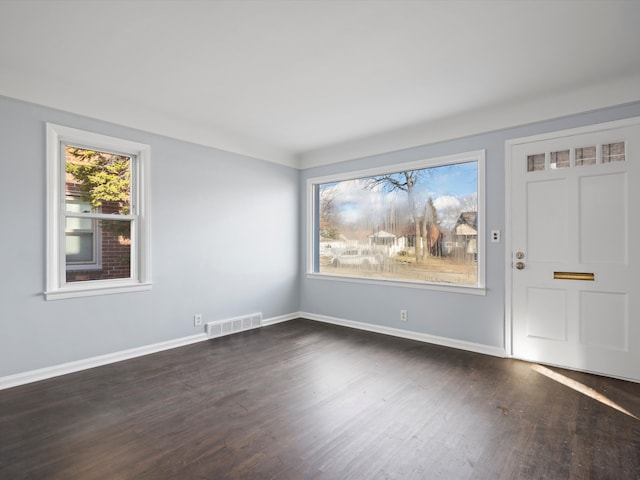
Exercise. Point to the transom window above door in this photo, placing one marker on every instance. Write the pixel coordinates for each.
(577, 157)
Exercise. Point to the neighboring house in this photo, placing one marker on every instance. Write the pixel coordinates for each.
(466, 233)
(382, 238)
(384, 242)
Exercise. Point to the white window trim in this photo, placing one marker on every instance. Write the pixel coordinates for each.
(478, 155)
(140, 254)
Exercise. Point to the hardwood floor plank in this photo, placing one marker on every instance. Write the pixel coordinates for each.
(304, 400)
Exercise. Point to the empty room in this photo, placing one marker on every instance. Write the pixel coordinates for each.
(306, 239)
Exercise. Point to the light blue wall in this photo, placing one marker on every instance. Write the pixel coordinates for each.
(228, 238)
(470, 318)
(224, 243)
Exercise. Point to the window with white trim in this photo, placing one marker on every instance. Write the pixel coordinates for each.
(419, 224)
(97, 214)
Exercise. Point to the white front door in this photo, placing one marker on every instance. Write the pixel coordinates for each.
(575, 277)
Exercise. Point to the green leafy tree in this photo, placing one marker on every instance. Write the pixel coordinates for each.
(104, 180)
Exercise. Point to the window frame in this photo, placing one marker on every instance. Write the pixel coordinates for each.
(312, 227)
(96, 250)
(58, 137)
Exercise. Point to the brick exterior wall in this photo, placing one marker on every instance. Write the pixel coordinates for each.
(116, 251)
(116, 260)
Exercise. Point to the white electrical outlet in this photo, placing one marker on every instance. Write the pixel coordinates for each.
(403, 315)
(197, 319)
(495, 236)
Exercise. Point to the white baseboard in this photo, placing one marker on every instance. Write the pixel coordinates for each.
(84, 364)
(280, 319)
(421, 337)
(78, 365)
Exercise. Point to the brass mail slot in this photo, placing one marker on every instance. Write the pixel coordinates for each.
(573, 276)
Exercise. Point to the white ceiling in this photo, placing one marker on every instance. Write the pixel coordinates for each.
(307, 82)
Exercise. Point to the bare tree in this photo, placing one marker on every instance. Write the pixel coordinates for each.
(328, 220)
(405, 182)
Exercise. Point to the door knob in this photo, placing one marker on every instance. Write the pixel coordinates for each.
(520, 265)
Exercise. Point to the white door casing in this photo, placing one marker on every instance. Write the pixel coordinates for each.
(571, 200)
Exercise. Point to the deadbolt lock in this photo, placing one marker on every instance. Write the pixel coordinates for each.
(520, 255)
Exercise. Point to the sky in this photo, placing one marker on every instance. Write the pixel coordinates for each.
(445, 185)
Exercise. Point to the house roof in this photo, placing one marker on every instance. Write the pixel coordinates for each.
(467, 224)
(313, 82)
(468, 218)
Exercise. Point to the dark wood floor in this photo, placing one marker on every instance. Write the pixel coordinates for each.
(304, 400)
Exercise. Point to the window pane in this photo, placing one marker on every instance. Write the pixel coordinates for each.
(535, 162)
(79, 248)
(112, 251)
(586, 156)
(101, 180)
(559, 159)
(80, 233)
(418, 225)
(76, 205)
(74, 224)
(613, 152)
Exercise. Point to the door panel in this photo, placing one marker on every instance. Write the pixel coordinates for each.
(612, 334)
(546, 316)
(597, 244)
(547, 212)
(572, 196)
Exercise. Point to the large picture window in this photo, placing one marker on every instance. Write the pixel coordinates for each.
(97, 214)
(420, 223)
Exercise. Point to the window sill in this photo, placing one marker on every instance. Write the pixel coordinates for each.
(96, 288)
(469, 290)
